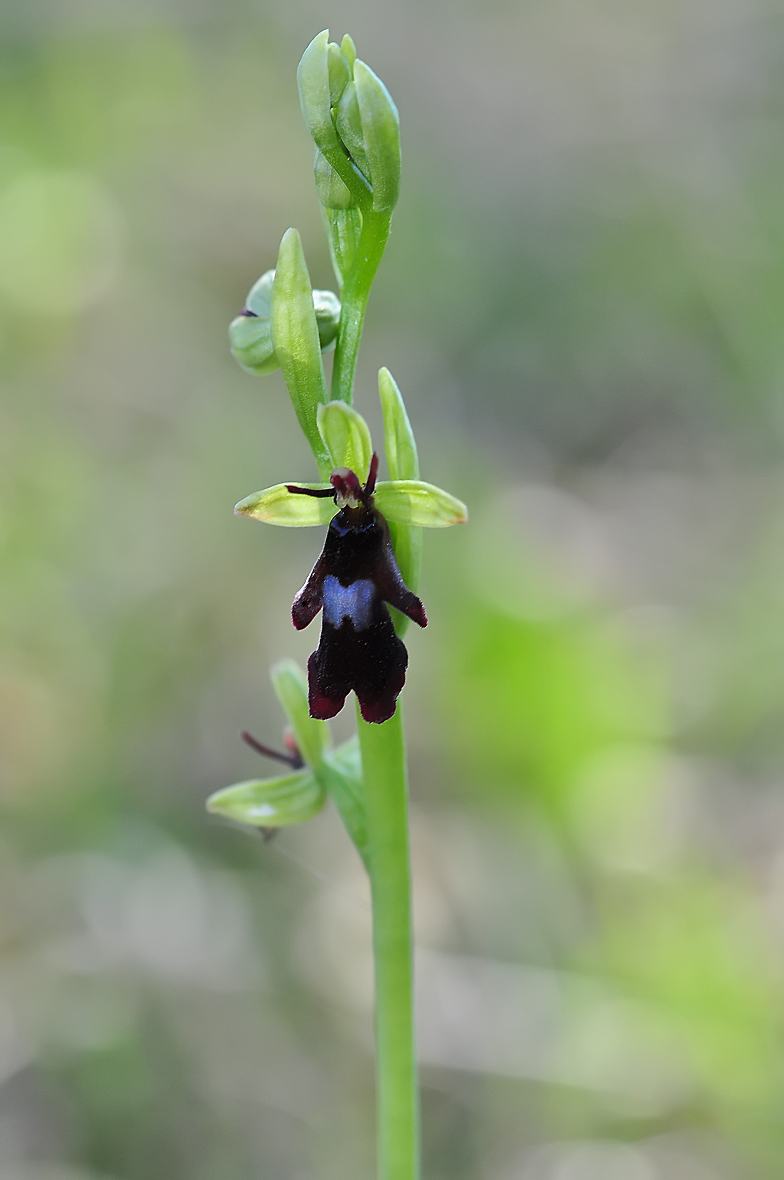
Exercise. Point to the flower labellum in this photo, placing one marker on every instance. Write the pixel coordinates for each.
(353, 579)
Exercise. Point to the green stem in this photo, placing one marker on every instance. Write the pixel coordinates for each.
(356, 289)
(386, 804)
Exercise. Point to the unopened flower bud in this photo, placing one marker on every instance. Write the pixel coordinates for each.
(327, 308)
(250, 333)
(314, 92)
(339, 72)
(348, 49)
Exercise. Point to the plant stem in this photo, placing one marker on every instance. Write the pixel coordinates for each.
(356, 289)
(386, 805)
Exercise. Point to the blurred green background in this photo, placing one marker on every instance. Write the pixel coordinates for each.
(582, 302)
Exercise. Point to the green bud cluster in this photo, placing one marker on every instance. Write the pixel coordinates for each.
(354, 124)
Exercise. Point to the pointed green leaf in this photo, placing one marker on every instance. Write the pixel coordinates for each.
(314, 97)
(271, 803)
(380, 135)
(399, 442)
(277, 505)
(346, 437)
(411, 501)
(291, 687)
(296, 339)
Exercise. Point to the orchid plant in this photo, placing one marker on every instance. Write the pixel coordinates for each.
(365, 581)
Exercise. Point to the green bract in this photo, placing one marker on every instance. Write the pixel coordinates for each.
(346, 437)
(399, 442)
(381, 137)
(343, 227)
(403, 463)
(296, 340)
(291, 688)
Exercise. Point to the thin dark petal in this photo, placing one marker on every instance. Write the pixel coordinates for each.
(393, 589)
(310, 598)
(318, 492)
(292, 759)
(370, 486)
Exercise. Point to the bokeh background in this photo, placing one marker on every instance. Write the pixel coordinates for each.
(583, 302)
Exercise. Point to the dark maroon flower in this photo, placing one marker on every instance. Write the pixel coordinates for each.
(353, 579)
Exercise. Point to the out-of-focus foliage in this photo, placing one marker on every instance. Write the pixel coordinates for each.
(582, 304)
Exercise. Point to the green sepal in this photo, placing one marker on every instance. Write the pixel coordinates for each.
(412, 501)
(330, 189)
(296, 340)
(339, 72)
(403, 463)
(314, 92)
(326, 305)
(381, 137)
(348, 49)
(277, 505)
(343, 227)
(291, 688)
(259, 299)
(347, 437)
(271, 803)
(250, 339)
(341, 776)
